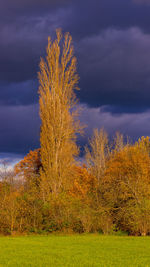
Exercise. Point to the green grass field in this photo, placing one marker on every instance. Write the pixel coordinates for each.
(75, 250)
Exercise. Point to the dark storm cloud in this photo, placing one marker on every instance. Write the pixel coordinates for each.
(132, 125)
(113, 66)
(32, 4)
(18, 93)
(28, 7)
(23, 41)
(19, 128)
(24, 37)
(115, 69)
(89, 17)
(112, 44)
(142, 2)
(22, 44)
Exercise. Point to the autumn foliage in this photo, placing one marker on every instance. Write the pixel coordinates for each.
(58, 80)
(119, 199)
(51, 190)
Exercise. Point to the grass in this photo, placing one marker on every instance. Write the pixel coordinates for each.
(75, 250)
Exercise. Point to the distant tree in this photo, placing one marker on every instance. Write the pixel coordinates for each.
(6, 172)
(118, 142)
(97, 153)
(58, 79)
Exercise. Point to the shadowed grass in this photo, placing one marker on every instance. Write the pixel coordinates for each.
(75, 250)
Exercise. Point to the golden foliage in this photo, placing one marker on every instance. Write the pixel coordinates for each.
(126, 184)
(28, 169)
(30, 164)
(58, 79)
(97, 153)
(83, 183)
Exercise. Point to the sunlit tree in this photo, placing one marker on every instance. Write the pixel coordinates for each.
(126, 188)
(97, 153)
(58, 79)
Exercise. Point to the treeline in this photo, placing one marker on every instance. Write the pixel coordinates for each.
(108, 193)
(50, 190)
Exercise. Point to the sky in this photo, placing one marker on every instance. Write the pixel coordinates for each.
(112, 46)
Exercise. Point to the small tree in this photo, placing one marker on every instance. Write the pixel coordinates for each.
(118, 142)
(97, 153)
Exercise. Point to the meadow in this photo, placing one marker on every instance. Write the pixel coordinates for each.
(75, 250)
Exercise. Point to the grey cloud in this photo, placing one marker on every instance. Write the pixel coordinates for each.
(89, 17)
(26, 7)
(112, 44)
(132, 125)
(142, 2)
(23, 93)
(9, 159)
(114, 68)
(19, 128)
(35, 3)
(23, 43)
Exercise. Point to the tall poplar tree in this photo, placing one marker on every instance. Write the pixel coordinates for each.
(58, 79)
